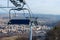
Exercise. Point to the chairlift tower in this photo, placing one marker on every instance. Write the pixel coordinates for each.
(19, 7)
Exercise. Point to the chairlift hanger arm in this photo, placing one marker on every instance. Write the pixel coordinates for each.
(16, 3)
(19, 9)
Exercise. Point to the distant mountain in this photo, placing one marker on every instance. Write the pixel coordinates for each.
(40, 16)
(49, 19)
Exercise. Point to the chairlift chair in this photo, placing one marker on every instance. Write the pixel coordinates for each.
(18, 8)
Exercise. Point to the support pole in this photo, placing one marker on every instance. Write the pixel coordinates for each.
(31, 31)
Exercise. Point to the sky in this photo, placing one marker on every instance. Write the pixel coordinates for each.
(40, 6)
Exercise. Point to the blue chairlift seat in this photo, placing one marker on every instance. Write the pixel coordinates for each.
(19, 21)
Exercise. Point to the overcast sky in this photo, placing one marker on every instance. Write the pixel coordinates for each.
(42, 6)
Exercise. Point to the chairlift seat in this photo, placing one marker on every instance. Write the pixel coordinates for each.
(19, 21)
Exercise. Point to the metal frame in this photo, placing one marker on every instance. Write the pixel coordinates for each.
(18, 10)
